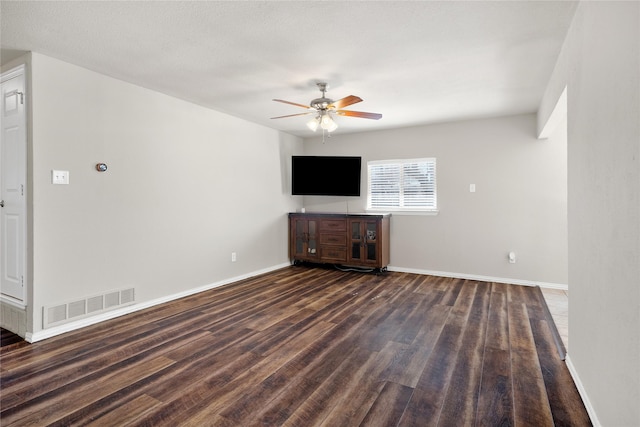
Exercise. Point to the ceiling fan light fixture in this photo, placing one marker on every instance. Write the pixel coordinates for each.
(314, 123)
(327, 123)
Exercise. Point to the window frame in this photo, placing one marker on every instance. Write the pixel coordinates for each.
(402, 208)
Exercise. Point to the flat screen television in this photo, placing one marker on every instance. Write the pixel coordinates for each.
(325, 175)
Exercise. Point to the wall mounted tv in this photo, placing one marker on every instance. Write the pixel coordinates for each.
(325, 175)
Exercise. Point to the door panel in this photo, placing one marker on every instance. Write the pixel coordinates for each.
(13, 163)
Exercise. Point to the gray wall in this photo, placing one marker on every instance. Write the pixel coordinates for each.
(600, 65)
(519, 204)
(186, 186)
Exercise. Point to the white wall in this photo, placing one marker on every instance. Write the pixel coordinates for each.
(519, 203)
(600, 64)
(186, 186)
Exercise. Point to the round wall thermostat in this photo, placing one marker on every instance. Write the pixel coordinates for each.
(101, 167)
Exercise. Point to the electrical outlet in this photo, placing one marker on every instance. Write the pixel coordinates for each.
(512, 257)
(234, 257)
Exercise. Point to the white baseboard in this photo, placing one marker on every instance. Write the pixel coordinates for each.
(583, 393)
(72, 326)
(548, 285)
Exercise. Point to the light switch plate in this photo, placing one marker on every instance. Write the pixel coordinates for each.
(59, 177)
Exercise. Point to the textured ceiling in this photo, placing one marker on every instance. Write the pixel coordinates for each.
(415, 62)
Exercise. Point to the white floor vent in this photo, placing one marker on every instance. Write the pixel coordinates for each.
(74, 310)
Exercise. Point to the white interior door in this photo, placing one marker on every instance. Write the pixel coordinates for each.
(13, 161)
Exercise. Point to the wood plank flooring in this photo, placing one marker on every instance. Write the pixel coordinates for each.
(8, 338)
(305, 347)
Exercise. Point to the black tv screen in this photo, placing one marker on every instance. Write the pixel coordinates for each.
(325, 176)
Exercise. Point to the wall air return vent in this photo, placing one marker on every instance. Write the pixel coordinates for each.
(112, 299)
(95, 304)
(77, 308)
(74, 310)
(57, 314)
(127, 296)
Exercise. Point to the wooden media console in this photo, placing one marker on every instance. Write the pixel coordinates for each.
(356, 240)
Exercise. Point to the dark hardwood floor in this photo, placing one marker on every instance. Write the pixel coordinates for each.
(8, 338)
(305, 347)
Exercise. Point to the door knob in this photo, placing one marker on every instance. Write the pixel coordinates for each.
(1, 203)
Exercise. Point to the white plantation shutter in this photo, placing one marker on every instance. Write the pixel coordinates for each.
(402, 185)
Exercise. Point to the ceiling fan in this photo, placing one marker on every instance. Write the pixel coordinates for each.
(324, 108)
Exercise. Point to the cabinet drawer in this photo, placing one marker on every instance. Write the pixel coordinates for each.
(333, 224)
(333, 253)
(333, 239)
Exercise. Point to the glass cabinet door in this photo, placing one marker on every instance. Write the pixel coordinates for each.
(306, 238)
(371, 240)
(299, 236)
(312, 238)
(363, 240)
(356, 240)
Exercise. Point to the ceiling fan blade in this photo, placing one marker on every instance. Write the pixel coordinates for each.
(293, 103)
(292, 115)
(344, 102)
(361, 114)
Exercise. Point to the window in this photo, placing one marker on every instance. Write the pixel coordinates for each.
(402, 185)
